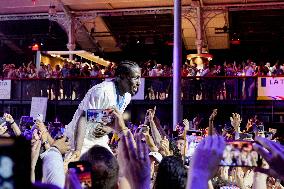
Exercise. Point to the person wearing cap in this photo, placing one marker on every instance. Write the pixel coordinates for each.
(228, 132)
(155, 158)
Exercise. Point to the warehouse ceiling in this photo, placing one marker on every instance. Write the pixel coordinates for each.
(115, 25)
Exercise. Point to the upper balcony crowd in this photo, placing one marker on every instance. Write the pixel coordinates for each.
(149, 69)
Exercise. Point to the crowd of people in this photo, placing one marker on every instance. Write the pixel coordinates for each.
(149, 156)
(149, 69)
(67, 70)
(141, 156)
(219, 81)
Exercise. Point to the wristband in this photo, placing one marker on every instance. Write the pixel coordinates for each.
(12, 123)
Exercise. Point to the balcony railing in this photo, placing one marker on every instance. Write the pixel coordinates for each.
(156, 88)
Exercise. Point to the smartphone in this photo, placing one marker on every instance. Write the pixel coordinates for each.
(194, 133)
(186, 161)
(15, 162)
(102, 116)
(84, 172)
(260, 128)
(2, 120)
(240, 154)
(144, 128)
(62, 130)
(39, 117)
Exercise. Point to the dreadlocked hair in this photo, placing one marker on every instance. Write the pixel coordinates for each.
(124, 67)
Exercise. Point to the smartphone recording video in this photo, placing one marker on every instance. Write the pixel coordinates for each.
(143, 128)
(2, 120)
(240, 154)
(84, 173)
(102, 116)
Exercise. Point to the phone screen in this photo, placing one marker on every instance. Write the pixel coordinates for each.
(144, 128)
(240, 154)
(84, 172)
(2, 120)
(102, 116)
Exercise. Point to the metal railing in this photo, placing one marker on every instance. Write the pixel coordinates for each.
(156, 88)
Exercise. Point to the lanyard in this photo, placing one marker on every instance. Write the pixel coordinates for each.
(119, 104)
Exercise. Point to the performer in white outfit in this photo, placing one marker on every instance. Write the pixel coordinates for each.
(116, 93)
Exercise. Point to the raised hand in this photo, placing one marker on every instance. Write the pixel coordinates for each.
(205, 161)
(211, 120)
(151, 114)
(236, 121)
(119, 125)
(165, 147)
(149, 140)
(8, 118)
(186, 124)
(138, 167)
(273, 153)
(213, 115)
(41, 127)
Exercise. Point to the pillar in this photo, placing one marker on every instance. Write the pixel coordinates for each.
(71, 37)
(199, 30)
(177, 59)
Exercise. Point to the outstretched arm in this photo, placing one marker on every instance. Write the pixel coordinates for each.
(273, 153)
(211, 122)
(42, 128)
(14, 125)
(236, 122)
(154, 131)
(80, 132)
(203, 167)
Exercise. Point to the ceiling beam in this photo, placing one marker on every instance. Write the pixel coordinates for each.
(231, 5)
(10, 44)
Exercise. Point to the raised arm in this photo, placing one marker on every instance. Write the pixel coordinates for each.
(236, 122)
(42, 128)
(211, 122)
(13, 124)
(205, 161)
(154, 131)
(159, 127)
(80, 132)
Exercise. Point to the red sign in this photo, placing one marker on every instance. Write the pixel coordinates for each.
(35, 47)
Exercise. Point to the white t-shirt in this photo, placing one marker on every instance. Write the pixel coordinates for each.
(100, 96)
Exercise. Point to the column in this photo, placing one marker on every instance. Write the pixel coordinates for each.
(71, 37)
(199, 30)
(177, 59)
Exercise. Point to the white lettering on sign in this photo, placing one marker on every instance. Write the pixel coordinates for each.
(5, 89)
(270, 88)
(276, 81)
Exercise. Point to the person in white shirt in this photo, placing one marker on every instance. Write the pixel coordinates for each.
(116, 93)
